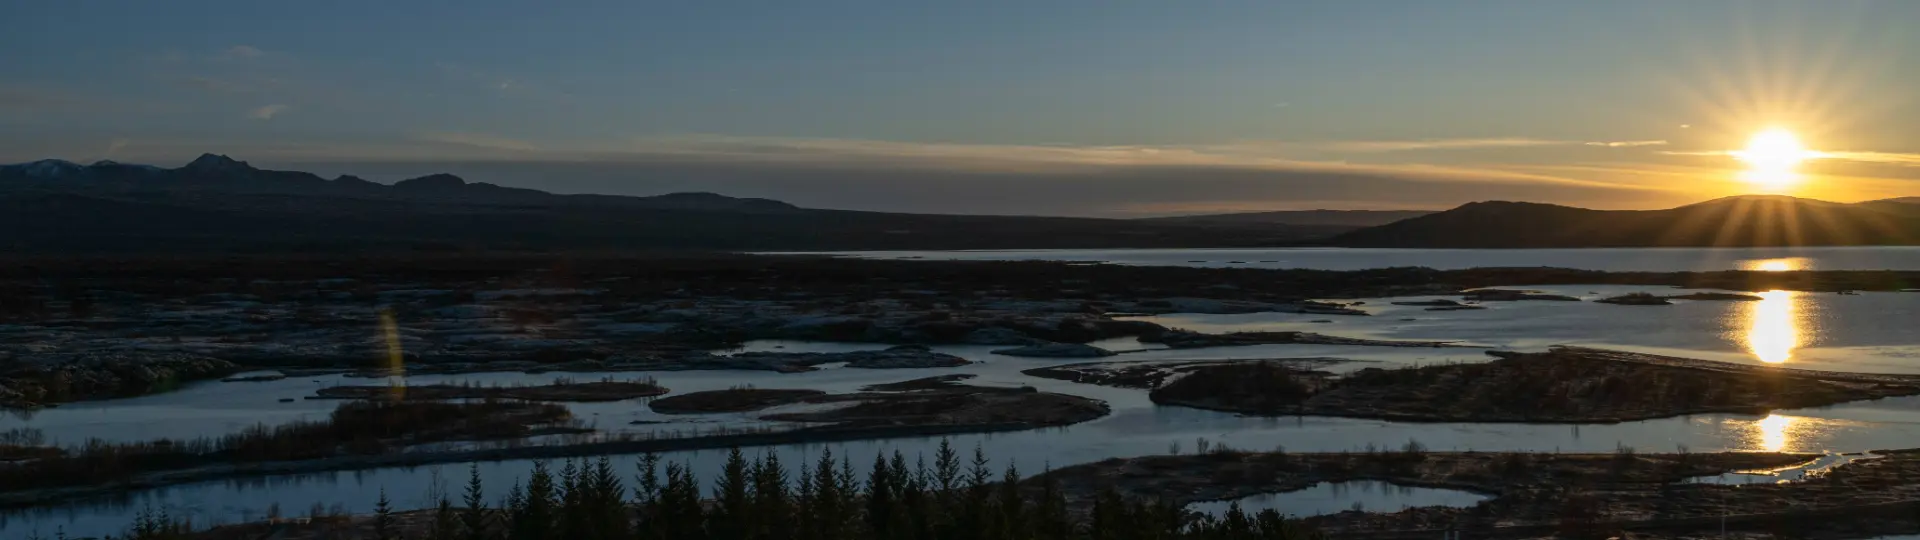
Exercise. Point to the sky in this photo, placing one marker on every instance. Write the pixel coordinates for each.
(1069, 107)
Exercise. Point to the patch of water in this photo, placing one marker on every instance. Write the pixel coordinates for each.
(1335, 497)
(1795, 473)
(1614, 259)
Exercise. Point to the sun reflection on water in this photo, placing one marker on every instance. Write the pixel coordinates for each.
(1787, 264)
(1774, 432)
(1772, 330)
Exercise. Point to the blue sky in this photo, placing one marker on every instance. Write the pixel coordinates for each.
(1064, 107)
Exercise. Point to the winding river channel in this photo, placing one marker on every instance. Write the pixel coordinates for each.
(1868, 332)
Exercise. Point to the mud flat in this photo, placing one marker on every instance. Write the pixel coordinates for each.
(730, 400)
(559, 391)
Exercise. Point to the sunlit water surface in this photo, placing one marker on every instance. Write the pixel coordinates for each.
(1335, 497)
(1868, 332)
(1615, 259)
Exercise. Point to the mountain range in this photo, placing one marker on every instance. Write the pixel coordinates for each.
(1742, 221)
(216, 203)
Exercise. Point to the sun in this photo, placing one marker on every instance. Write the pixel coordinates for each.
(1771, 157)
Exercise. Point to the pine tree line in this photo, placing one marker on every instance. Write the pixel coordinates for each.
(762, 499)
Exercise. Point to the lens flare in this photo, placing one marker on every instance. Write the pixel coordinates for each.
(1771, 158)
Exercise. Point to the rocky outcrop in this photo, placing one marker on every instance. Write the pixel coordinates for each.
(1056, 350)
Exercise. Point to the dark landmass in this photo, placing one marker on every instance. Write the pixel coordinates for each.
(1715, 296)
(1746, 221)
(216, 204)
(1540, 495)
(1153, 374)
(363, 428)
(949, 405)
(938, 409)
(1565, 385)
(1339, 218)
(90, 327)
(60, 377)
(1636, 299)
(1504, 295)
(730, 400)
(1650, 299)
(1180, 339)
(1056, 350)
(558, 391)
(923, 383)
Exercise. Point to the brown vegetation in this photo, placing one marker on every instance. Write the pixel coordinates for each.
(730, 400)
(355, 428)
(1564, 385)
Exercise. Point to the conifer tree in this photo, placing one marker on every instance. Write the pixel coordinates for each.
(383, 517)
(733, 516)
(474, 516)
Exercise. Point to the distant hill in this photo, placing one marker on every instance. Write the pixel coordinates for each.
(216, 203)
(1339, 218)
(1745, 221)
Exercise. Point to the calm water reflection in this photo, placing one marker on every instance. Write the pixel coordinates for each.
(1773, 328)
(1775, 432)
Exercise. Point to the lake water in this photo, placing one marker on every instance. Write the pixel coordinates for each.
(1620, 259)
(1335, 497)
(1869, 332)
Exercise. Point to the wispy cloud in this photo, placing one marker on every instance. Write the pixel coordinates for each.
(1896, 158)
(478, 140)
(1892, 158)
(229, 85)
(1436, 144)
(1626, 144)
(241, 52)
(1042, 159)
(267, 112)
(1467, 144)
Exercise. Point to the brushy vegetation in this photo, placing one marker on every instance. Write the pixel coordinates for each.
(764, 500)
(356, 428)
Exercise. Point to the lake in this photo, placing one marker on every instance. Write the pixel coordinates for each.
(1618, 260)
(1868, 332)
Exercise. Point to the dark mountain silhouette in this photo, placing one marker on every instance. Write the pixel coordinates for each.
(1342, 218)
(216, 175)
(1744, 221)
(221, 204)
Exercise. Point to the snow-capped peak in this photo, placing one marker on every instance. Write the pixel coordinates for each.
(48, 168)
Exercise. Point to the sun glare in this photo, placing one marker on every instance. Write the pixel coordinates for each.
(1771, 158)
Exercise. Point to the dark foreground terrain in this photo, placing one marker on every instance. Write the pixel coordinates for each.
(1564, 385)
